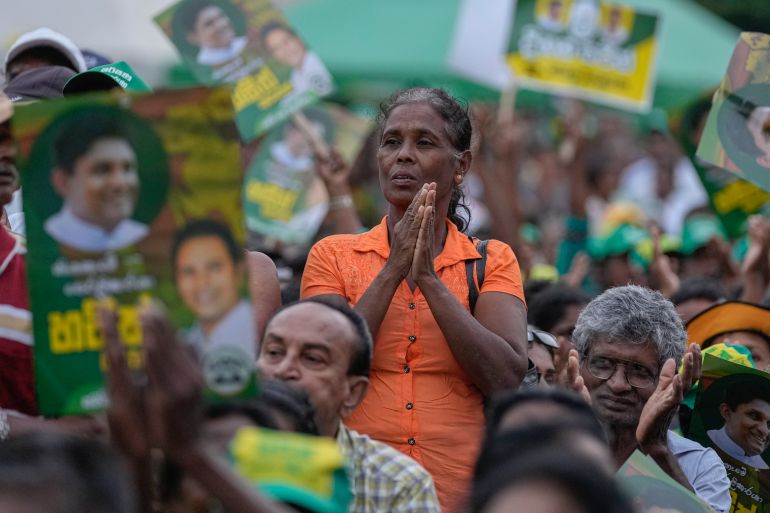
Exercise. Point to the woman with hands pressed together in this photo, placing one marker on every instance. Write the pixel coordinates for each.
(435, 360)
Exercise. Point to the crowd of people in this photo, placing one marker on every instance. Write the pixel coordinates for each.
(530, 311)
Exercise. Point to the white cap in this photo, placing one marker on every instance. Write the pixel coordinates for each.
(43, 37)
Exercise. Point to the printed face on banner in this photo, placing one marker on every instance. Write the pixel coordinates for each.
(732, 415)
(283, 198)
(247, 43)
(130, 200)
(737, 132)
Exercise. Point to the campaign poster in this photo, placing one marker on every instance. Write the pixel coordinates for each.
(732, 415)
(249, 44)
(737, 132)
(601, 52)
(732, 199)
(282, 196)
(651, 490)
(107, 182)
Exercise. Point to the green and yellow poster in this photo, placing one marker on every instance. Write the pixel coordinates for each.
(249, 44)
(601, 52)
(652, 490)
(731, 198)
(127, 200)
(732, 416)
(282, 196)
(737, 132)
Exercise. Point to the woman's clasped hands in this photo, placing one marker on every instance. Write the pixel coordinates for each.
(412, 243)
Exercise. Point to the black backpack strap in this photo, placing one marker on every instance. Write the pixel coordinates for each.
(480, 266)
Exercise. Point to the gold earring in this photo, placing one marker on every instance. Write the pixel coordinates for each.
(458, 178)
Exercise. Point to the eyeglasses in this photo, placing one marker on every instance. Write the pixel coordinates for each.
(545, 338)
(637, 375)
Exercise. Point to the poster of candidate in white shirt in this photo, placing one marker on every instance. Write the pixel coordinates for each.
(110, 183)
(732, 416)
(251, 45)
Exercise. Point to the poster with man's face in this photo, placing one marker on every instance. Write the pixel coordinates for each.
(732, 415)
(737, 132)
(283, 197)
(131, 200)
(249, 44)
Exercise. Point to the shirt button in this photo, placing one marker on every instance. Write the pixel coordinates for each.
(409, 406)
(411, 441)
(412, 306)
(412, 338)
(406, 369)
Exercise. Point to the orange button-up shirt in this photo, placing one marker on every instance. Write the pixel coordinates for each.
(420, 400)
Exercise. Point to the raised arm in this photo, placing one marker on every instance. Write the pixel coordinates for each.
(334, 172)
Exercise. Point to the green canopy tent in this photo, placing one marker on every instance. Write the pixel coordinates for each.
(372, 46)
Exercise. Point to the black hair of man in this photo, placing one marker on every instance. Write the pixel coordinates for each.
(291, 402)
(270, 26)
(734, 131)
(81, 131)
(534, 287)
(549, 305)
(253, 409)
(64, 474)
(188, 13)
(361, 359)
(699, 287)
(48, 54)
(566, 469)
(575, 408)
(205, 228)
(745, 389)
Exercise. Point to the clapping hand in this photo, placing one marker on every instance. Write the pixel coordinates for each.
(656, 416)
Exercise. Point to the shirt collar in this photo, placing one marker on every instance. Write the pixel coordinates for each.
(458, 246)
(10, 246)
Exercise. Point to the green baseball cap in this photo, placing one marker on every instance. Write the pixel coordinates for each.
(293, 468)
(104, 78)
(698, 231)
(623, 239)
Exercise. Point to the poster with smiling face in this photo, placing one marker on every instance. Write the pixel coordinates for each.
(737, 132)
(249, 44)
(732, 415)
(130, 200)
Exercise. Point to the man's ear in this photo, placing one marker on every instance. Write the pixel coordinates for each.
(724, 411)
(357, 387)
(60, 182)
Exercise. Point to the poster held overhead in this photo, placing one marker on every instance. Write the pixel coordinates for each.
(249, 44)
(737, 132)
(600, 52)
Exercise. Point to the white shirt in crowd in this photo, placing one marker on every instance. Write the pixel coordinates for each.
(217, 56)
(68, 229)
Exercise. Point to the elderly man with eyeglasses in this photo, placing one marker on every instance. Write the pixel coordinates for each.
(631, 342)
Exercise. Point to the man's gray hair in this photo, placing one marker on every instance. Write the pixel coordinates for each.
(632, 315)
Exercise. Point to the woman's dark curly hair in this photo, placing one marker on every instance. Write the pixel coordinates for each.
(458, 127)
